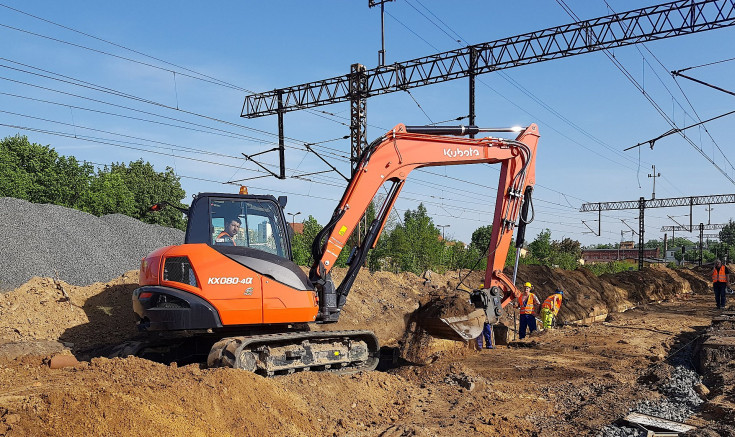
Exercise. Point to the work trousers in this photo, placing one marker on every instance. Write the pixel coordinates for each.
(720, 291)
(527, 321)
(487, 333)
(547, 316)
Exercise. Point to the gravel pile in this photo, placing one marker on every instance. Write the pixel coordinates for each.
(681, 399)
(621, 431)
(78, 248)
(680, 402)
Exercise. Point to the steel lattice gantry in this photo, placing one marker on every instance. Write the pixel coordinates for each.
(640, 25)
(641, 205)
(689, 228)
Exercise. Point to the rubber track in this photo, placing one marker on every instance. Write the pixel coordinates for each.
(224, 352)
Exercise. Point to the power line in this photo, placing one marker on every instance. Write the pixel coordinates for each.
(632, 80)
(102, 52)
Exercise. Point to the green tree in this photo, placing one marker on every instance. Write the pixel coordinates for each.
(108, 194)
(541, 249)
(415, 245)
(481, 238)
(148, 187)
(301, 243)
(727, 234)
(39, 174)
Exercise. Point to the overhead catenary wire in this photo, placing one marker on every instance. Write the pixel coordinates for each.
(655, 105)
(169, 106)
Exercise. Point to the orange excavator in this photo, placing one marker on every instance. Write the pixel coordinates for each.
(234, 288)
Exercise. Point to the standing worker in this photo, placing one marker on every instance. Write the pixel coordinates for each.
(487, 332)
(550, 308)
(720, 276)
(529, 304)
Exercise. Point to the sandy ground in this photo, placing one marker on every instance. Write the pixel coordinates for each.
(569, 381)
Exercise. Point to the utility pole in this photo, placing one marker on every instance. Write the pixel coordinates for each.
(443, 227)
(654, 176)
(701, 243)
(709, 214)
(381, 52)
(641, 204)
(293, 218)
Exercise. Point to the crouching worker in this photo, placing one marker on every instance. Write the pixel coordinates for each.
(529, 305)
(550, 308)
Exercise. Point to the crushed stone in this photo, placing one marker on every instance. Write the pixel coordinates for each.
(76, 247)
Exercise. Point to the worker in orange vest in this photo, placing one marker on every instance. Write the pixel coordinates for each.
(529, 305)
(720, 276)
(550, 308)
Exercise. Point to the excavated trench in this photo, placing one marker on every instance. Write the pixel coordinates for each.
(698, 370)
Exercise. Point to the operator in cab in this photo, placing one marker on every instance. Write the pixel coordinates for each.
(227, 237)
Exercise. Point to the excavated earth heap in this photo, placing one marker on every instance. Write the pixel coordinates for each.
(573, 380)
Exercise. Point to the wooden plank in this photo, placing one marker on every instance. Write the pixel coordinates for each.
(657, 422)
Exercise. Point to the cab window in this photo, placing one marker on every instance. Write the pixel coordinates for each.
(247, 223)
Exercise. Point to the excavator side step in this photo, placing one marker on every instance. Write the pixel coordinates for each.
(275, 354)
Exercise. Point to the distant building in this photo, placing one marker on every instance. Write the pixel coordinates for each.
(627, 244)
(298, 228)
(591, 256)
(264, 231)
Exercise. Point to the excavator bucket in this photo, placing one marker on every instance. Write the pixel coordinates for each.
(456, 327)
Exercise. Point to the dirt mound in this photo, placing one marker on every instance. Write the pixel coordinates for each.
(587, 296)
(426, 336)
(82, 318)
(514, 391)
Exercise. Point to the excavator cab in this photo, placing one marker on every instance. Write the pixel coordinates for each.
(251, 221)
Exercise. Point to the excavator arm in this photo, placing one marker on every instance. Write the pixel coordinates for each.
(390, 159)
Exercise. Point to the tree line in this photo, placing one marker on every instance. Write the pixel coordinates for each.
(414, 244)
(39, 174)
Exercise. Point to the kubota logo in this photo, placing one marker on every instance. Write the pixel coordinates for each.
(454, 153)
(229, 280)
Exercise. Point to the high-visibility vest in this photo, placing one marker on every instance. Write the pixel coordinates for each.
(553, 303)
(719, 275)
(227, 239)
(528, 307)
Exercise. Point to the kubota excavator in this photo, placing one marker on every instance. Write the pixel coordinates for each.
(234, 284)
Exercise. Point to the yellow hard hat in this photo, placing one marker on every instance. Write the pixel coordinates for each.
(528, 284)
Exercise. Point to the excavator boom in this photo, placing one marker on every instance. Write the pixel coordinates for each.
(390, 159)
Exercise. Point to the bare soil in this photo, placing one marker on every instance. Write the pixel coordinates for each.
(572, 380)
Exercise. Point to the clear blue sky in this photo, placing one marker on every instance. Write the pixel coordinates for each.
(587, 110)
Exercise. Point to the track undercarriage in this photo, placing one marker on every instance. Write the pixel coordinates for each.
(272, 354)
(269, 354)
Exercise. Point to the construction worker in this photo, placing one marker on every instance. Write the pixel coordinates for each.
(550, 308)
(529, 305)
(487, 332)
(720, 276)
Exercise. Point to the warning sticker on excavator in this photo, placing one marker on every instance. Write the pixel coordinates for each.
(342, 230)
